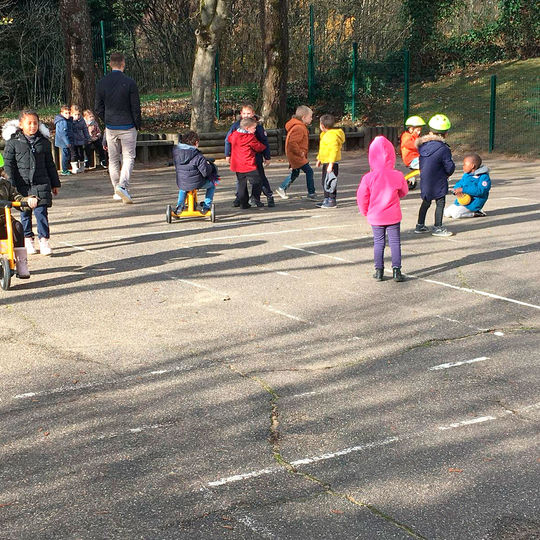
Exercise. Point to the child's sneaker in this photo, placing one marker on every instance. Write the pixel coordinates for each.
(29, 245)
(311, 196)
(255, 202)
(44, 246)
(330, 203)
(281, 192)
(323, 202)
(236, 203)
(103, 163)
(479, 213)
(420, 229)
(441, 231)
(205, 209)
(124, 194)
(65, 173)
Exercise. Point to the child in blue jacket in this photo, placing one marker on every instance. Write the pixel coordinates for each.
(476, 183)
(63, 137)
(437, 166)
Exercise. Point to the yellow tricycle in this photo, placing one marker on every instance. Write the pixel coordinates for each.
(7, 246)
(190, 209)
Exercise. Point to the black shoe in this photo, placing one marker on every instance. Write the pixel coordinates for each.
(271, 202)
(246, 206)
(379, 273)
(236, 203)
(479, 213)
(398, 276)
(257, 203)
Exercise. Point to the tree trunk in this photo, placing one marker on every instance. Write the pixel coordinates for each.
(212, 18)
(80, 79)
(276, 61)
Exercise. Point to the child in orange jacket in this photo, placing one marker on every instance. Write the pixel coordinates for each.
(409, 152)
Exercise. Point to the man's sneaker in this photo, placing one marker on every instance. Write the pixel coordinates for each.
(420, 229)
(330, 203)
(44, 246)
(441, 231)
(281, 192)
(312, 196)
(124, 194)
(271, 202)
(479, 213)
(29, 245)
(66, 173)
(116, 197)
(320, 204)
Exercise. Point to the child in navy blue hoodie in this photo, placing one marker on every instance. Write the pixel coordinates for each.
(261, 158)
(475, 183)
(436, 166)
(193, 171)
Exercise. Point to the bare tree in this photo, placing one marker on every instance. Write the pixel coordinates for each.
(80, 82)
(276, 61)
(211, 20)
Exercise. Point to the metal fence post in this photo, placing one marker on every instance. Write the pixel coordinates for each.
(311, 56)
(353, 86)
(216, 73)
(492, 106)
(103, 49)
(406, 87)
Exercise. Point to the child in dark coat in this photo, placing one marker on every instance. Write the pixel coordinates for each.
(63, 137)
(193, 171)
(436, 165)
(81, 138)
(31, 170)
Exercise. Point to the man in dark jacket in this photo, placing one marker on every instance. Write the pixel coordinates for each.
(193, 171)
(436, 165)
(119, 106)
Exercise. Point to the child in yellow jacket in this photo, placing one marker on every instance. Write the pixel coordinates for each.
(329, 155)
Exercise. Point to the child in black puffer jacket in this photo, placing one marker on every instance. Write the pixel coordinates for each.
(31, 170)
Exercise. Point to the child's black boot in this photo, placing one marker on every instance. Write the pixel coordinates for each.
(398, 276)
(379, 273)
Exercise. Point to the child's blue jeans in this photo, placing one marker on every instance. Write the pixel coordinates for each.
(66, 158)
(42, 220)
(210, 188)
(295, 173)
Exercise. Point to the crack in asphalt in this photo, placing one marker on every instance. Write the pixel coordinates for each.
(274, 440)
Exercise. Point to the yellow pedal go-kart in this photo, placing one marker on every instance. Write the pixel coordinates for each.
(7, 247)
(411, 178)
(190, 209)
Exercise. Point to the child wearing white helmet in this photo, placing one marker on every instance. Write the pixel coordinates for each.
(409, 152)
(437, 166)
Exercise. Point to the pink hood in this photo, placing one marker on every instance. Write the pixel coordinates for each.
(380, 189)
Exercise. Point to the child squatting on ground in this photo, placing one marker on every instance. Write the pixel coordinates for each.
(436, 165)
(329, 155)
(244, 147)
(472, 190)
(9, 193)
(378, 198)
(262, 158)
(193, 171)
(296, 149)
(31, 170)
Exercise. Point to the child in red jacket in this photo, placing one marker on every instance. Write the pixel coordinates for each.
(244, 147)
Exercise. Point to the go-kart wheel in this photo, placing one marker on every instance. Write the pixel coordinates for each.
(168, 214)
(5, 274)
(213, 213)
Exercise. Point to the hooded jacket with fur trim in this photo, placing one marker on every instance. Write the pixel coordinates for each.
(29, 164)
(436, 165)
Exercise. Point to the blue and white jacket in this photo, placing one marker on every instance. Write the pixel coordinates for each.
(476, 184)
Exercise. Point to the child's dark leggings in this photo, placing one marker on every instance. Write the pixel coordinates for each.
(438, 211)
(335, 170)
(394, 241)
(18, 234)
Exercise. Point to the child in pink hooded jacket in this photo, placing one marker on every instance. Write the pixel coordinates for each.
(378, 198)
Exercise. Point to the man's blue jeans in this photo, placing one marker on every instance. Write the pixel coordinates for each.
(295, 173)
(210, 188)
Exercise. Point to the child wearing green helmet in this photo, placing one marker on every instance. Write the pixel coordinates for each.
(437, 166)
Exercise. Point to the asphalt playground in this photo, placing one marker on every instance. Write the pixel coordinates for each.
(249, 379)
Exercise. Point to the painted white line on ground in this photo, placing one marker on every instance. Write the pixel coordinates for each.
(319, 254)
(305, 394)
(467, 422)
(245, 476)
(498, 334)
(279, 312)
(461, 322)
(475, 291)
(287, 274)
(135, 430)
(455, 364)
(85, 386)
